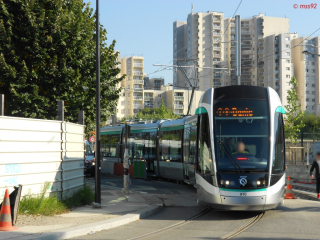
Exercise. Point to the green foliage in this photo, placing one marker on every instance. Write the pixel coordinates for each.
(162, 112)
(47, 54)
(40, 204)
(50, 205)
(311, 122)
(293, 115)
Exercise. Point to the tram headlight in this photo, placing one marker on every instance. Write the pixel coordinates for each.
(264, 182)
(227, 182)
(258, 183)
(221, 182)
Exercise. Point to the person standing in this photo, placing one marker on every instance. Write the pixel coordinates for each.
(316, 166)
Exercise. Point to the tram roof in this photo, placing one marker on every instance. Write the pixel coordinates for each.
(112, 130)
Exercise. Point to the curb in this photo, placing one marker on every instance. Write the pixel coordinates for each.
(94, 227)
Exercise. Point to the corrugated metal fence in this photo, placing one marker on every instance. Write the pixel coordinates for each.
(34, 151)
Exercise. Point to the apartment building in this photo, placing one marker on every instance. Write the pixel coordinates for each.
(306, 70)
(211, 39)
(179, 50)
(275, 67)
(154, 83)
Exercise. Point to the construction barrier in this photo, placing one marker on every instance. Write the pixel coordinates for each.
(289, 192)
(139, 169)
(5, 214)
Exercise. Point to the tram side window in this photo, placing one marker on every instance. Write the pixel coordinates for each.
(186, 145)
(278, 161)
(170, 146)
(205, 158)
(192, 145)
(142, 145)
(110, 145)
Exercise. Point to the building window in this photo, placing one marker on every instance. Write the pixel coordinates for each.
(307, 92)
(307, 100)
(307, 63)
(313, 70)
(307, 84)
(313, 100)
(287, 68)
(122, 103)
(312, 63)
(287, 61)
(288, 83)
(123, 94)
(313, 93)
(287, 53)
(313, 78)
(307, 107)
(313, 85)
(122, 111)
(287, 46)
(307, 70)
(287, 76)
(313, 108)
(287, 39)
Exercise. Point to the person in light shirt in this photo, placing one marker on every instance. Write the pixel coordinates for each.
(316, 166)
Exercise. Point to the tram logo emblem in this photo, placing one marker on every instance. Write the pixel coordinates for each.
(243, 181)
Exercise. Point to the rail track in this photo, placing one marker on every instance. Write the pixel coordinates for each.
(230, 235)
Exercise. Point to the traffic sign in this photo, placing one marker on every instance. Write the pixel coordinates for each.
(92, 139)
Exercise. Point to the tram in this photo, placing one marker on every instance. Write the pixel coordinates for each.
(232, 150)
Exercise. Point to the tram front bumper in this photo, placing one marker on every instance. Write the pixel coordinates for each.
(243, 203)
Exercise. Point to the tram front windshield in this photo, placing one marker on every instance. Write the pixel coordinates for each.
(241, 135)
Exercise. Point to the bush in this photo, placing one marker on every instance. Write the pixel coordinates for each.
(48, 206)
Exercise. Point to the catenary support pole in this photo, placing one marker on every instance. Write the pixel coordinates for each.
(238, 48)
(1, 104)
(97, 150)
(126, 179)
(81, 117)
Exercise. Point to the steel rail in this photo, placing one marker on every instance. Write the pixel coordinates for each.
(247, 225)
(207, 210)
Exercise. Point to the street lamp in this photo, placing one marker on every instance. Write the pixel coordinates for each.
(309, 53)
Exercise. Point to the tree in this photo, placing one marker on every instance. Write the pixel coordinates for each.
(312, 124)
(162, 112)
(47, 53)
(293, 113)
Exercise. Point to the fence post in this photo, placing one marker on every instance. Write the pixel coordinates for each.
(308, 153)
(1, 104)
(289, 155)
(60, 110)
(81, 117)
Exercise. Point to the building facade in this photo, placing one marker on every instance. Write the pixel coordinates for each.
(306, 70)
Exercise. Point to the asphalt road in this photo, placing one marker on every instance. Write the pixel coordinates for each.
(296, 219)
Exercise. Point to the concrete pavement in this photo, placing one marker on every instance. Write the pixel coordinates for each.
(116, 209)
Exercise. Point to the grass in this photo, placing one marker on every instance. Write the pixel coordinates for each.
(51, 205)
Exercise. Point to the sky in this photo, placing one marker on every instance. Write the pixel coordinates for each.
(144, 27)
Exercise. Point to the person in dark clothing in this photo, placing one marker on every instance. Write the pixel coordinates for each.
(316, 166)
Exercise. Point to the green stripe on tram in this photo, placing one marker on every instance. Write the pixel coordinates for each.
(107, 133)
(201, 110)
(144, 130)
(243, 190)
(171, 128)
(281, 110)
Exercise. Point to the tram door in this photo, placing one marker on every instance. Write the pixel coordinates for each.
(186, 142)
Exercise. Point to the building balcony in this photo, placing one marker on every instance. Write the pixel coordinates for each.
(260, 52)
(277, 79)
(217, 83)
(217, 55)
(246, 73)
(245, 25)
(246, 39)
(138, 65)
(178, 98)
(245, 32)
(148, 98)
(138, 89)
(261, 73)
(217, 48)
(138, 73)
(246, 46)
(216, 34)
(217, 76)
(137, 106)
(177, 112)
(216, 19)
(216, 26)
(178, 106)
(137, 97)
(138, 82)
